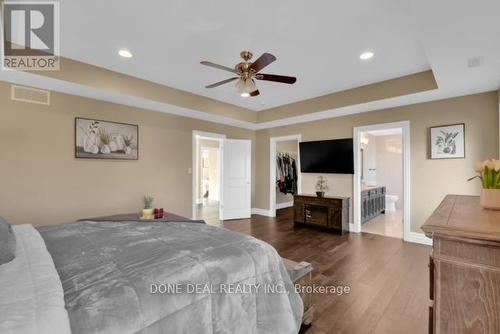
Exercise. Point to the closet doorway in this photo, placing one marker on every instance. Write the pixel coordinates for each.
(285, 178)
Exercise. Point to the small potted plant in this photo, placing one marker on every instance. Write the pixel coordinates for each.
(321, 186)
(489, 174)
(147, 212)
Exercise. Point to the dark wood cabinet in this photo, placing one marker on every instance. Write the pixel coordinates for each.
(330, 213)
(464, 268)
(372, 203)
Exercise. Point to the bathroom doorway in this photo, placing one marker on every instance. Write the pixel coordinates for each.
(207, 179)
(381, 181)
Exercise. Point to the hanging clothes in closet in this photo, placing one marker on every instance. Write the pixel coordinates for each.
(286, 173)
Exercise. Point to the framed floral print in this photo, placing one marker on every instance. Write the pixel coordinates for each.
(447, 141)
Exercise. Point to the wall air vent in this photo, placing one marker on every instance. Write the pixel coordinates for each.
(30, 95)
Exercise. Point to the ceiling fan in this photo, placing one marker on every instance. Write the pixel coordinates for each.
(247, 71)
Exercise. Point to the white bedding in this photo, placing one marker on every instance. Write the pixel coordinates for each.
(31, 294)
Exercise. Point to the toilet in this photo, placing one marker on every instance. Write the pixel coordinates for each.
(390, 202)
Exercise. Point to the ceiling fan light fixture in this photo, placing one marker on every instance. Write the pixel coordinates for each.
(247, 71)
(245, 87)
(240, 86)
(250, 86)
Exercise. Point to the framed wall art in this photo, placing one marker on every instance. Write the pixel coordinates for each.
(447, 141)
(97, 139)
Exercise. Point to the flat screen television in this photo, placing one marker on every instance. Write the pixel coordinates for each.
(327, 156)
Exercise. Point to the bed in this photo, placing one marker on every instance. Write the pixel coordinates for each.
(157, 277)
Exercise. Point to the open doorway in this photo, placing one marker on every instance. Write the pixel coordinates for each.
(382, 179)
(207, 177)
(382, 182)
(285, 181)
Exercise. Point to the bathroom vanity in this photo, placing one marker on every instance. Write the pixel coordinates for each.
(372, 203)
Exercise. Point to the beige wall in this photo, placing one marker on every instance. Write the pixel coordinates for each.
(288, 146)
(42, 183)
(431, 179)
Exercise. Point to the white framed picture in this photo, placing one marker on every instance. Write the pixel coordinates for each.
(447, 141)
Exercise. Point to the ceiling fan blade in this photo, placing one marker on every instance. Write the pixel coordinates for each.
(262, 62)
(221, 82)
(220, 67)
(276, 78)
(255, 93)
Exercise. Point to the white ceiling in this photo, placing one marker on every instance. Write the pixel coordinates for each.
(317, 41)
(454, 31)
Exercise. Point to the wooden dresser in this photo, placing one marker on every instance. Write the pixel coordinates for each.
(464, 267)
(330, 213)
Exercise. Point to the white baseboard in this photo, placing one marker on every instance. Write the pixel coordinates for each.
(284, 205)
(418, 238)
(261, 212)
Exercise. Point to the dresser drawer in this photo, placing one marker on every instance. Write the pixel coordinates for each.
(316, 215)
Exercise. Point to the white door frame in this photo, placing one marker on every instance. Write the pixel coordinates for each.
(405, 127)
(272, 163)
(195, 164)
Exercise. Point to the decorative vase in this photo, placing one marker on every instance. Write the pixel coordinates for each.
(105, 149)
(89, 143)
(94, 149)
(147, 213)
(490, 199)
(113, 147)
(320, 193)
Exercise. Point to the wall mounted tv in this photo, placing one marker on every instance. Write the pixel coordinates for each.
(327, 156)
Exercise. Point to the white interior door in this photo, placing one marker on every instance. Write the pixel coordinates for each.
(237, 174)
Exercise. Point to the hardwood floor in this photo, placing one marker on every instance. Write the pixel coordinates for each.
(209, 212)
(388, 278)
(389, 224)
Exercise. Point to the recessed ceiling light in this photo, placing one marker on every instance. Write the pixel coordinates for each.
(245, 94)
(125, 53)
(366, 55)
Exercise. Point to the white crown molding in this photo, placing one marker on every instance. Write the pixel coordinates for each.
(61, 86)
(43, 82)
(427, 96)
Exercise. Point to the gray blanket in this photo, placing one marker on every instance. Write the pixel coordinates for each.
(136, 277)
